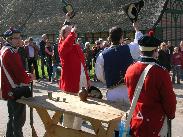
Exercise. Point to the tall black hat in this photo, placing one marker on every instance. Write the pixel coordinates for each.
(132, 10)
(149, 42)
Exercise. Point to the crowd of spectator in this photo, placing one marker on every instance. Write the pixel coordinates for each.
(45, 53)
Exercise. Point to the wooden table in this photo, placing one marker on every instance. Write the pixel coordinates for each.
(93, 110)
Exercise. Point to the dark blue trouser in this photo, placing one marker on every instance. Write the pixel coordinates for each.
(176, 72)
(17, 117)
(43, 63)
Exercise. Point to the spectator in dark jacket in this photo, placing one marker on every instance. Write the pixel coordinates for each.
(23, 54)
(42, 53)
(164, 58)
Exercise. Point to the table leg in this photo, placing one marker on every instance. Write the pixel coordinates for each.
(96, 125)
(47, 121)
(111, 127)
(99, 129)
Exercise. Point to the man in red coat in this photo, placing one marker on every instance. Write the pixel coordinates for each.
(157, 99)
(74, 73)
(13, 65)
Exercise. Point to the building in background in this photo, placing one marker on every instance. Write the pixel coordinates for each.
(93, 18)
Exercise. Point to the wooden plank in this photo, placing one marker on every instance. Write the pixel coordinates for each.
(55, 120)
(56, 117)
(104, 111)
(96, 125)
(46, 121)
(111, 127)
(59, 131)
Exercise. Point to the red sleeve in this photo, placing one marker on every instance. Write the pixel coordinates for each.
(65, 46)
(14, 66)
(168, 95)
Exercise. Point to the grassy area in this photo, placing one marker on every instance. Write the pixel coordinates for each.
(92, 72)
(46, 73)
(39, 69)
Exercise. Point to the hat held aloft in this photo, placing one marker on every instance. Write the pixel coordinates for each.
(132, 10)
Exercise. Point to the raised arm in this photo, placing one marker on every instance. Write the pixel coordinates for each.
(138, 33)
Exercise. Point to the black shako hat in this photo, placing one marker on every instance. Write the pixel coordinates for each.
(10, 32)
(149, 42)
(132, 10)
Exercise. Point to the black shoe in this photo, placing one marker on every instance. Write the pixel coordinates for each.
(49, 79)
(116, 133)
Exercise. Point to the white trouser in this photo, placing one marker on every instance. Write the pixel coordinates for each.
(71, 121)
(118, 94)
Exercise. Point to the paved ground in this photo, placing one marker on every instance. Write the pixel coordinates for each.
(41, 88)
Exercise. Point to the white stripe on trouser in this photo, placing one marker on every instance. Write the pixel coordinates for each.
(71, 121)
(164, 130)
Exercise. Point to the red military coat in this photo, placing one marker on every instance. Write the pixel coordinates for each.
(13, 64)
(71, 57)
(156, 99)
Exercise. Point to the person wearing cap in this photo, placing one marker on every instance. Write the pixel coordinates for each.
(74, 74)
(13, 65)
(157, 100)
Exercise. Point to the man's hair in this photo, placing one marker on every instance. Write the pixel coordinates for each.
(63, 29)
(115, 34)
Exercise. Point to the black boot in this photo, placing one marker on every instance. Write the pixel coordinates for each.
(116, 133)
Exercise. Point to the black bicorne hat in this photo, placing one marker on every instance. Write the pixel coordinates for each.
(149, 42)
(132, 10)
(68, 8)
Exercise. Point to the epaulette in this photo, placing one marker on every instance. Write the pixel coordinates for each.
(12, 50)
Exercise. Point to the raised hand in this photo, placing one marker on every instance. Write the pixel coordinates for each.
(136, 26)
